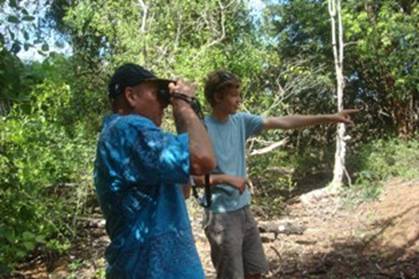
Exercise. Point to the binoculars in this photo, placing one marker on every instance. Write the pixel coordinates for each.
(164, 94)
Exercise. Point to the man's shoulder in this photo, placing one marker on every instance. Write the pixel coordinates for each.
(117, 126)
(244, 117)
(238, 119)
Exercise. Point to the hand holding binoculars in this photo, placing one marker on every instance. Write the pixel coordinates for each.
(181, 90)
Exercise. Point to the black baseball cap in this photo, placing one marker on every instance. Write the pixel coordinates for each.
(131, 74)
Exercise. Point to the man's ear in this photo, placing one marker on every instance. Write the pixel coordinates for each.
(130, 96)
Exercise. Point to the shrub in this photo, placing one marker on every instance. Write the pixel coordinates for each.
(380, 160)
(45, 174)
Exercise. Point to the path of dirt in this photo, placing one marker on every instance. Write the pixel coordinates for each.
(378, 239)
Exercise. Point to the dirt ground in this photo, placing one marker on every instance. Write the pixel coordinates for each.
(336, 238)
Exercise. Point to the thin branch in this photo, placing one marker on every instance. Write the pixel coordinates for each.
(269, 148)
(341, 44)
(223, 31)
(144, 8)
(221, 38)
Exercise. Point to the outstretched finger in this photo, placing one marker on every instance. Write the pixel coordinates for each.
(350, 111)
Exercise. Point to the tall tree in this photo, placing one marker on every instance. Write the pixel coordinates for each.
(383, 51)
(382, 46)
(338, 52)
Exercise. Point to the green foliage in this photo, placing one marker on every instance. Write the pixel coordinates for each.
(368, 187)
(21, 26)
(48, 137)
(187, 38)
(51, 111)
(11, 85)
(45, 173)
(287, 172)
(381, 50)
(380, 160)
(386, 45)
(300, 28)
(100, 273)
(73, 267)
(272, 178)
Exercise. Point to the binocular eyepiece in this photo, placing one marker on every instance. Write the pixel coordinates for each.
(164, 95)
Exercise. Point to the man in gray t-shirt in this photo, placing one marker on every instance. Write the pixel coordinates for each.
(236, 248)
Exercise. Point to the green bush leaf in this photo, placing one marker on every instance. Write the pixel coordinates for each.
(13, 19)
(28, 235)
(12, 3)
(28, 18)
(45, 47)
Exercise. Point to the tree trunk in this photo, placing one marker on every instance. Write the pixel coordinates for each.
(337, 44)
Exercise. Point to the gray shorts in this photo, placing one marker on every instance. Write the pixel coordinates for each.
(236, 247)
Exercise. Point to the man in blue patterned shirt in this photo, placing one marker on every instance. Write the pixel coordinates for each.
(139, 170)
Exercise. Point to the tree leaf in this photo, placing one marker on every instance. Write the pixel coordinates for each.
(13, 19)
(29, 245)
(12, 3)
(16, 47)
(26, 35)
(28, 18)
(28, 235)
(45, 47)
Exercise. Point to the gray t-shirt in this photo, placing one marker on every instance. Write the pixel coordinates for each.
(229, 143)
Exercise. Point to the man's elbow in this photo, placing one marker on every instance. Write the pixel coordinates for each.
(203, 164)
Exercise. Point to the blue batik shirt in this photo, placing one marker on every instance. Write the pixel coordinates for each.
(138, 170)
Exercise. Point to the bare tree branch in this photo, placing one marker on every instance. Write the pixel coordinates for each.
(223, 31)
(269, 148)
(144, 9)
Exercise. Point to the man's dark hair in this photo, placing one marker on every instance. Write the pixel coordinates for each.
(218, 81)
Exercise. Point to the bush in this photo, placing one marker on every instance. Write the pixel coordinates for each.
(45, 174)
(383, 159)
(272, 178)
(380, 160)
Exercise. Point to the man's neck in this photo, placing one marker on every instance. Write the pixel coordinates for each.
(220, 116)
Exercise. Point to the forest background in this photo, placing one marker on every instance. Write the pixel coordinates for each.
(51, 106)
